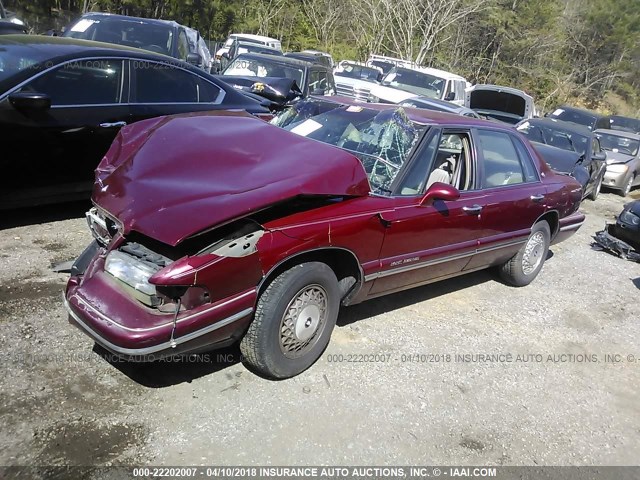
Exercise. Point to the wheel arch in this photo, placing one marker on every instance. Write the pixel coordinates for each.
(342, 261)
(553, 219)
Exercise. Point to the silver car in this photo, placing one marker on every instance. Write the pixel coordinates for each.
(623, 160)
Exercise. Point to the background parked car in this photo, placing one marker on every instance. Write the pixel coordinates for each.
(313, 57)
(354, 80)
(618, 122)
(579, 116)
(505, 104)
(9, 23)
(247, 69)
(248, 37)
(623, 159)
(439, 106)
(158, 36)
(402, 83)
(62, 102)
(574, 138)
(239, 46)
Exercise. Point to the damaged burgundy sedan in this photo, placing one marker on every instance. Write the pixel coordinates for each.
(214, 228)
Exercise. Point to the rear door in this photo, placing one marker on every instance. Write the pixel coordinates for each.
(426, 242)
(162, 89)
(513, 196)
(56, 150)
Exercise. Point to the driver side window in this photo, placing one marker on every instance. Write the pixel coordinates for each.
(447, 159)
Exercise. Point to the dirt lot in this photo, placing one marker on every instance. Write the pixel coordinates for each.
(561, 403)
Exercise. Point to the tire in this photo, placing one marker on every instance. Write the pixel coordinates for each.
(278, 343)
(596, 188)
(525, 265)
(627, 187)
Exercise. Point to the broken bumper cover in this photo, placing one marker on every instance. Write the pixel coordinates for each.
(136, 333)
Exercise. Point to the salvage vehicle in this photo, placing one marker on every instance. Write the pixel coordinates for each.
(9, 23)
(386, 63)
(313, 57)
(240, 46)
(579, 116)
(574, 138)
(159, 36)
(257, 73)
(248, 37)
(354, 80)
(623, 237)
(214, 228)
(62, 102)
(617, 122)
(504, 104)
(439, 106)
(623, 159)
(402, 83)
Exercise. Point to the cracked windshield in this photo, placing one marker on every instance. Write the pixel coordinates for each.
(382, 141)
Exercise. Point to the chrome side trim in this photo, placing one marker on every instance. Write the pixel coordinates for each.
(575, 226)
(164, 325)
(161, 346)
(437, 261)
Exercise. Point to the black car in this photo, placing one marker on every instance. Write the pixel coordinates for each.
(574, 138)
(579, 116)
(247, 69)
(62, 102)
(158, 36)
(618, 122)
(313, 57)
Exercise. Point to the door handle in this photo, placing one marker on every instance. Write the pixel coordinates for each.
(473, 209)
(113, 124)
(537, 198)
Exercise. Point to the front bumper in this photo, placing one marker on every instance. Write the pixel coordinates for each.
(127, 328)
(615, 180)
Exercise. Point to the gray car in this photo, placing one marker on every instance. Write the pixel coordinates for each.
(623, 159)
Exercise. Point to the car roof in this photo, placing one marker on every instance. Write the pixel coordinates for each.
(114, 16)
(277, 58)
(568, 126)
(618, 133)
(261, 38)
(437, 102)
(435, 72)
(59, 46)
(421, 115)
(576, 109)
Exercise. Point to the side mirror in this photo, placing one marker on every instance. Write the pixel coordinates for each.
(30, 101)
(318, 91)
(450, 96)
(194, 59)
(225, 55)
(599, 157)
(439, 191)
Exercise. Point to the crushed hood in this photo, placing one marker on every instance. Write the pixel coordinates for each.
(172, 177)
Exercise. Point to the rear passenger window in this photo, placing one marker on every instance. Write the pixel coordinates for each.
(160, 83)
(502, 164)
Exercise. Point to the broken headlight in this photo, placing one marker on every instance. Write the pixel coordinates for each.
(629, 218)
(131, 271)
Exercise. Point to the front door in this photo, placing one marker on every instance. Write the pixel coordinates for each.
(426, 242)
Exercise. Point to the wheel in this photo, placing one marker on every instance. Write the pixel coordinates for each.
(627, 187)
(525, 265)
(596, 188)
(294, 319)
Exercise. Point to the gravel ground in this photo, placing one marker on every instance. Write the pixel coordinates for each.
(557, 402)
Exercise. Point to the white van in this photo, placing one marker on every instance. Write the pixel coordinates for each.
(402, 83)
(248, 37)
